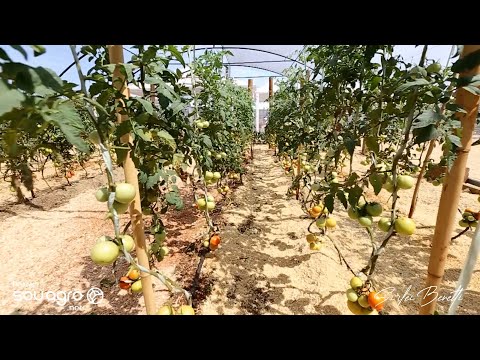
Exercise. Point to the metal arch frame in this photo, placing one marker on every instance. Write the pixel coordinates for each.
(251, 49)
(241, 65)
(256, 67)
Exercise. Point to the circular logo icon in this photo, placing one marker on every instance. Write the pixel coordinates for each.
(94, 295)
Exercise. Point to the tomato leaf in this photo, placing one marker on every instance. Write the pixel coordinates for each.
(167, 138)
(456, 108)
(9, 98)
(408, 85)
(372, 144)
(425, 134)
(466, 63)
(177, 106)
(38, 50)
(207, 141)
(426, 118)
(329, 200)
(4, 55)
(173, 49)
(21, 50)
(376, 181)
(121, 154)
(350, 146)
(147, 105)
(455, 140)
(472, 89)
(70, 123)
(343, 199)
(173, 198)
(354, 194)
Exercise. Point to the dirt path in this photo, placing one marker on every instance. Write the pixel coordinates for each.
(265, 265)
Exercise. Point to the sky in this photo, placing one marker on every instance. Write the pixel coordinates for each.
(59, 57)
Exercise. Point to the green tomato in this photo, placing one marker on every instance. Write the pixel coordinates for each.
(353, 213)
(208, 175)
(160, 237)
(321, 222)
(120, 208)
(104, 253)
(137, 286)
(405, 182)
(202, 203)
(356, 283)
(102, 194)
(365, 221)
(374, 209)
(405, 226)
(434, 68)
(352, 295)
(463, 224)
(128, 242)
(124, 193)
(384, 224)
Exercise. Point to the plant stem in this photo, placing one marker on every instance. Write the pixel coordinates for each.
(398, 155)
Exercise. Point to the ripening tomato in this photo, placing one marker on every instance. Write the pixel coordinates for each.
(215, 240)
(376, 300)
(125, 283)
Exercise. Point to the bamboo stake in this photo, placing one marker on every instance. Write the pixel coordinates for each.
(413, 205)
(116, 56)
(451, 192)
(270, 88)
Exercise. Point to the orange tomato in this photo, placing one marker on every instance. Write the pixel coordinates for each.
(213, 247)
(133, 274)
(317, 209)
(376, 300)
(215, 240)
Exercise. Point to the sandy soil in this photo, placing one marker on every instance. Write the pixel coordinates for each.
(265, 266)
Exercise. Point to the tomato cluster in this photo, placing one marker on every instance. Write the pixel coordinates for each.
(470, 218)
(362, 299)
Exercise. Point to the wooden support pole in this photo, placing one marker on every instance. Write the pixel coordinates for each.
(451, 192)
(270, 88)
(116, 57)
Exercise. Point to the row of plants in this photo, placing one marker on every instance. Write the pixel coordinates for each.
(365, 97)
(198, 133)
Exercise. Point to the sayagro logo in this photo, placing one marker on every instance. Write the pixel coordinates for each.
(94, 295)
(61, 298)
